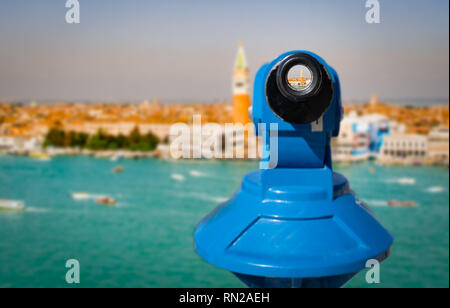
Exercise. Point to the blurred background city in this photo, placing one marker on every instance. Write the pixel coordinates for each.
(86, 111)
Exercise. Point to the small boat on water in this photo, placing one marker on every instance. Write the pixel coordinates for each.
(395, 203)
(81, 196)
(106, 201)
(118, 169)
(11, 205)
(177, 177)
(407, 181)
(435, 189)
(116, 157)
(40, 156)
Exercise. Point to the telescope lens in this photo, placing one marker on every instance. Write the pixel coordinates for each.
(299, 88)
(299, 77)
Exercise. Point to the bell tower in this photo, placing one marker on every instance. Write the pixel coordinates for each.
(241, 88)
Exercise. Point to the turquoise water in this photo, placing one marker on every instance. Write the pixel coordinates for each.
(146, 241)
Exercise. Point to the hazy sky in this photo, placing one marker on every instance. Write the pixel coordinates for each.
(184, 50)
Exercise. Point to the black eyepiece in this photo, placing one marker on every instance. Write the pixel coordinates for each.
(299, 77)
(299, 89)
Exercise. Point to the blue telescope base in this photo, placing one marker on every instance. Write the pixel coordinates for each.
(292, 228)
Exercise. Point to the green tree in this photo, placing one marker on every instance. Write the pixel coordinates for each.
(98, 141)
(135, 135)
(80, 140)
(69, 137)
(135, 141)
(55, 137)
(151, 140)
(122, 141)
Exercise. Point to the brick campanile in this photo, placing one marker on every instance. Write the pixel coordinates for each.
(241, 88)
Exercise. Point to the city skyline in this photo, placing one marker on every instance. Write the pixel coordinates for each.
(143, 49)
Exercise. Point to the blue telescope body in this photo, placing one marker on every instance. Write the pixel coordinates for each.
(294, 222)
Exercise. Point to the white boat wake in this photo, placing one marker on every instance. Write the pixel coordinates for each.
(177, 177)
(402, 181)
(12, 205)
(435, 189)
(196, 173)
(376, 203)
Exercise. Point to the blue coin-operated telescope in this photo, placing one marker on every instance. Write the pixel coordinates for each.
(294, 222)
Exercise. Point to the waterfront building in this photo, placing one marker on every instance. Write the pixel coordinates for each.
(361, 137)
(438, 144)
(241, 88)
(405, 148)
(378, 126)
(19, 145)
(353, 143)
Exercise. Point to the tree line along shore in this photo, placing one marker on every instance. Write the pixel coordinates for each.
(134, 141)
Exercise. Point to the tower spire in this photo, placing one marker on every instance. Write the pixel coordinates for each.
(241, 60)
(241, 87)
